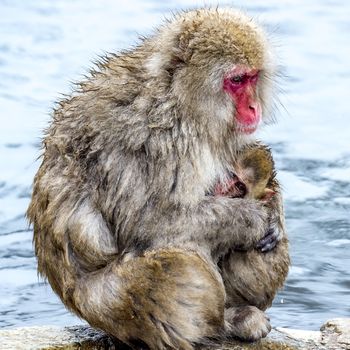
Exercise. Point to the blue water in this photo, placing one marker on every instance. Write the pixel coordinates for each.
(44, 45)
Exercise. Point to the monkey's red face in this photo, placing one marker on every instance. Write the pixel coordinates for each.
(240, 84)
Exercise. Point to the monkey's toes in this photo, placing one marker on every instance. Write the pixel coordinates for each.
(247, 323)
(269, 241)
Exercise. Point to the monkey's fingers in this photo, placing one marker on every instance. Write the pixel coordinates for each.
(247, 323)
(270, 241)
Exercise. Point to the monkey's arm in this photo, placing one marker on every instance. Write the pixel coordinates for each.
(276, 231)
(216, 222)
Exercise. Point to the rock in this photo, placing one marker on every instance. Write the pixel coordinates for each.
(298, 334)
(54, 338)
(334, 335)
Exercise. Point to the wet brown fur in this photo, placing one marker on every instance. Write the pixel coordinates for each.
(123, 228)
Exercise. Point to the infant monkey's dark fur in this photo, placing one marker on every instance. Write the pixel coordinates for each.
(123, 228)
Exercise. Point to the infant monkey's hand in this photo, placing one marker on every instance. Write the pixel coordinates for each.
(267, 196)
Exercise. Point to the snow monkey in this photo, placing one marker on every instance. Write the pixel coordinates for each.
(124, 228)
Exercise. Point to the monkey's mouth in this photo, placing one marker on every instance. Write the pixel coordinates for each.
(247, 129)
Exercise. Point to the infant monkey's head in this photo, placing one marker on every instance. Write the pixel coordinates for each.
(253, 170)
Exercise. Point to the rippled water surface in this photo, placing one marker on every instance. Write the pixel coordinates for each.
(46, 44)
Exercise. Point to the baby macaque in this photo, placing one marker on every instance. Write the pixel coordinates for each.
(254, 178)
(254, 169)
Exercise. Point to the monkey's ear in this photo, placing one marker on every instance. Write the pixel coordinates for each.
(167, 58)
(171, 51)
(182, 51)
(268, 194)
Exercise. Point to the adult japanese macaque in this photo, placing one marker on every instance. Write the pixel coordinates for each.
(124, 228)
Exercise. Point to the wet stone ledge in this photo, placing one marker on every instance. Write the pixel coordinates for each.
(334, 335)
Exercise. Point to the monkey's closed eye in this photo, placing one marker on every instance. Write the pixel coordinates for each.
(241, 187)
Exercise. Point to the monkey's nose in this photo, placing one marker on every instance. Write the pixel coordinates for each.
(253, 108)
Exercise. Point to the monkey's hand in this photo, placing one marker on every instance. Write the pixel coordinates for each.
(271, 239)
(275, 232)
(232, 222)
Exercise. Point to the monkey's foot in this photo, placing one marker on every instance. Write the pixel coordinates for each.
(247, 323)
